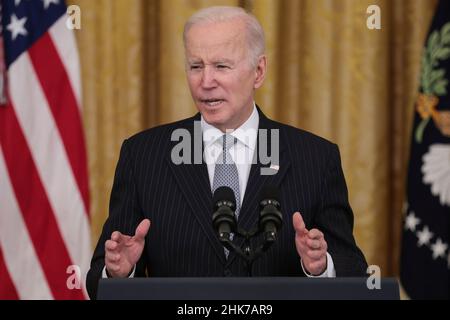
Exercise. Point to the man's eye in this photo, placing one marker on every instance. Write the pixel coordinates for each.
(222, 66)
(195, 67)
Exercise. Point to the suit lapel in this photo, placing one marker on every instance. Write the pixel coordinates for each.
(193, 181)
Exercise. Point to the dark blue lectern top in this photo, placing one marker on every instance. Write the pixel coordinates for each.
(276, 288)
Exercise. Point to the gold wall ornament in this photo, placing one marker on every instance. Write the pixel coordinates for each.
(442, 121)
(426, 105)
(432, 79)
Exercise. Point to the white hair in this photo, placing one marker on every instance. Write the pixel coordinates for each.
(255, 33)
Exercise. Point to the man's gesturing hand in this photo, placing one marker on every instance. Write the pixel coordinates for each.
(311, 246)
(122, 251)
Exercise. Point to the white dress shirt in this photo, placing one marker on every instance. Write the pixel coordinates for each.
(242, 154)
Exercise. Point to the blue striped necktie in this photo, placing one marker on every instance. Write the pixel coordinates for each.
(226, 173)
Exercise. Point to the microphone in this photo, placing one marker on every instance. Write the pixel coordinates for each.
(270, 218)
(224, 219)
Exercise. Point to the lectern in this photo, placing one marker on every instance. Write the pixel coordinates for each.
(275, 288)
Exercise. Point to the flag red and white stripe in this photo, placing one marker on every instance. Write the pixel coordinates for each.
(44, 198)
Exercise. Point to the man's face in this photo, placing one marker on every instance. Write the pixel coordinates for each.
(220, 74)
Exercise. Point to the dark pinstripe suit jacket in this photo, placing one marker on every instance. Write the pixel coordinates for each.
(178, 201)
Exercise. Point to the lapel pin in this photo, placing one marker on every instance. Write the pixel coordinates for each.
(275, 167)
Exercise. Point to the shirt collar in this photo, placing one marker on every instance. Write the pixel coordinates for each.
(246, 134)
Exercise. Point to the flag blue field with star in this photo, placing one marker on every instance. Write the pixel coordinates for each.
(425, 258)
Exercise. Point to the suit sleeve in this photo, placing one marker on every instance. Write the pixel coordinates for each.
(125, 214)
(335, 219)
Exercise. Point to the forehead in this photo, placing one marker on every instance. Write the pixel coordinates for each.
(222, 38)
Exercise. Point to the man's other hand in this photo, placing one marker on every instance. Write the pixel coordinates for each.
(122, 252)
(311, 246)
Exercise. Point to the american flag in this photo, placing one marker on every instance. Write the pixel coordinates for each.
(44, 197)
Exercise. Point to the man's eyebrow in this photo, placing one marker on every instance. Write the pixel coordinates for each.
(224, 61)
(217, 61)
(194, 61)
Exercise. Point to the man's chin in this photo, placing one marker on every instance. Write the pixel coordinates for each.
(215, 120)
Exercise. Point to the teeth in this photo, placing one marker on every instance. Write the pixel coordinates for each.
(212, 103)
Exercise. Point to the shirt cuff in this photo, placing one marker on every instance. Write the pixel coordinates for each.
(330, 272)
(105, 275)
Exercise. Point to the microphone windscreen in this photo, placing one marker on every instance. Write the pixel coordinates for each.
(269, 193)
(224, 194)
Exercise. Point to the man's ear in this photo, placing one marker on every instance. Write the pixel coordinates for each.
(261, 69)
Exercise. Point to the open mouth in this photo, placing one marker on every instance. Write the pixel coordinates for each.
(212, 102)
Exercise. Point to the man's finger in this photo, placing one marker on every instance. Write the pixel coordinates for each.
(110, 245)
(110, 258)
(315, 254)
(314, 244)
(315, 234)
(142, 229)
(114, 257)
(299, 224)
(116, 236)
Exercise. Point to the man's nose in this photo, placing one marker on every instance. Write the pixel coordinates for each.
(208, 78)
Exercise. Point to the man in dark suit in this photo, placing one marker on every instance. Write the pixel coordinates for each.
(225, 64)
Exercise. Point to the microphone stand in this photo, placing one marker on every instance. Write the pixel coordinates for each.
(246, 253)
(224, 221)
